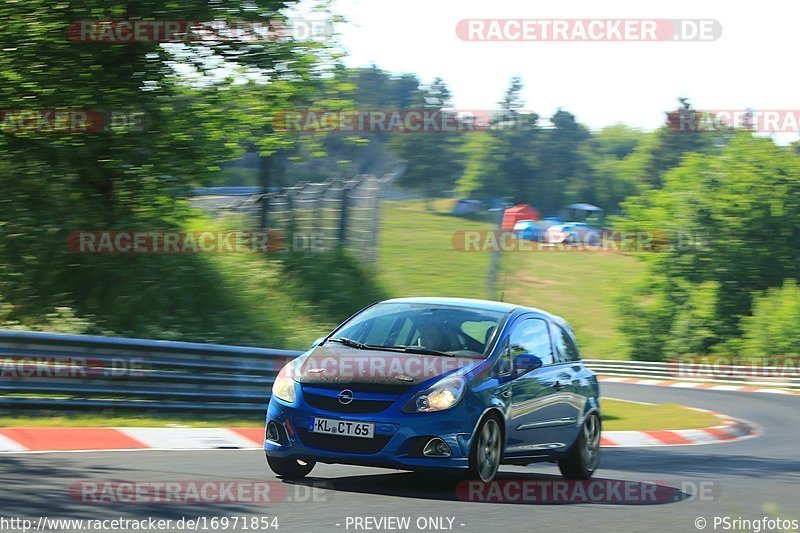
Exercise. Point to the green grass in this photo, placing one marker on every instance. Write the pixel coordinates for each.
(111, 418)
(580, 287)
(620, 415)
(617, 415)
(288, 300)
(284, 299)
(266, 303)
(417, 257)
(236, 176)
(249, 299)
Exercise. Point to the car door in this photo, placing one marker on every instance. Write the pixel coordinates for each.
(542, 416)
(575, 388)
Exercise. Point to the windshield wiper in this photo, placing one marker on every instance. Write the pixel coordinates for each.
(350, 342)
(423, 350)
(397, 348)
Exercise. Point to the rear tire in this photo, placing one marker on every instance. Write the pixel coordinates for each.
(486, 450)
(290, 468)
(585, 453)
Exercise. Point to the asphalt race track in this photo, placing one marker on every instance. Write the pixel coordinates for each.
(751, 479)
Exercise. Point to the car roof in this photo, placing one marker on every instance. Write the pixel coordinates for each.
(485, 305)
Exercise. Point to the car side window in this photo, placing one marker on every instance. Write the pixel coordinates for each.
(565, 346)
(504, 361)
(531, 336)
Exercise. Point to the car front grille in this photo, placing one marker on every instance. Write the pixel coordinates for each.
(378, 388)
(332, 404)
(367, 398)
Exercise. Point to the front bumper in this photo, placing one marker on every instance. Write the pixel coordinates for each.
(398, 441)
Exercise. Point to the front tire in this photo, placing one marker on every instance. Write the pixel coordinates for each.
(290, 468)
(486, 451)
(585, 453)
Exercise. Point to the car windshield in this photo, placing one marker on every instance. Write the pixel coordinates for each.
(452, 330)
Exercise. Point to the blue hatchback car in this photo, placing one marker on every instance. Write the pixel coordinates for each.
(438, 384)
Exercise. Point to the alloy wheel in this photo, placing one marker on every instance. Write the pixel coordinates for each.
(488, 449)
(590, 451)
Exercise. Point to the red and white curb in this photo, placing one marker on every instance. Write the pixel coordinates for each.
(731, 429)
(42, 440)
(128, 439)
(695, 385)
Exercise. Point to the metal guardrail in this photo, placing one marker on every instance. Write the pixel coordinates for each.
(57, 371)
(755, 375)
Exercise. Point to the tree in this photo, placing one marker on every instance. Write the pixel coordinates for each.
(734, 221)
(671, 143)
(432, 158)
(772, 330)
(501, 161)
(611, 176)
(562, 163)
(517, 132)
(54, 183)
(482, 177)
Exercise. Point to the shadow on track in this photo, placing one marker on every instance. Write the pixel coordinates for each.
(45, 485)
(689, 463)
(508, 488)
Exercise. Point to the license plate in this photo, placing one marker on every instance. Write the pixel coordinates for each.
(364, 430)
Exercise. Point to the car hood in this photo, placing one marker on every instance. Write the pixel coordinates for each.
(341, 365)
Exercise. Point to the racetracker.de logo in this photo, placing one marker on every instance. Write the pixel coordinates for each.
(385, 121)
(375, 365)
(588, 30)
(605, 491)
(593, 241)
(186, 31)
(174, 242)
(714, 120)
(736, 367)
(17, 121)
(93, 492)
(67, 366)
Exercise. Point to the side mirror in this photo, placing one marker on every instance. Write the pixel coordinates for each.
(526, 362)
(316, 342)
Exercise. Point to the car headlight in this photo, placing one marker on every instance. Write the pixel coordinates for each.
(284, 385)
(443, 395)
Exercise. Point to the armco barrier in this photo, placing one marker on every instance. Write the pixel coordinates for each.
(766, 376)
(48, 370)
(57, 371)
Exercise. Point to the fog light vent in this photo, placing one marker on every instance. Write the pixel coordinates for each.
(436, 447)
(273, 432)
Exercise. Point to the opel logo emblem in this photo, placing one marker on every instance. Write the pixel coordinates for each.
(345, 397)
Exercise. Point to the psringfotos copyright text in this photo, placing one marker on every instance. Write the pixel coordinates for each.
(756, 525)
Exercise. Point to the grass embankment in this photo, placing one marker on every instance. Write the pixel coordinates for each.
(621, 415)
(617, 415)
(287, 302)
(417, 257)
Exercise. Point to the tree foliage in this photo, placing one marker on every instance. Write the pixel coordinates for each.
(772, 329)
(734, 221)
(197, 116)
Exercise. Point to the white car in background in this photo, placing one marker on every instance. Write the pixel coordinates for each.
(572, 233)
